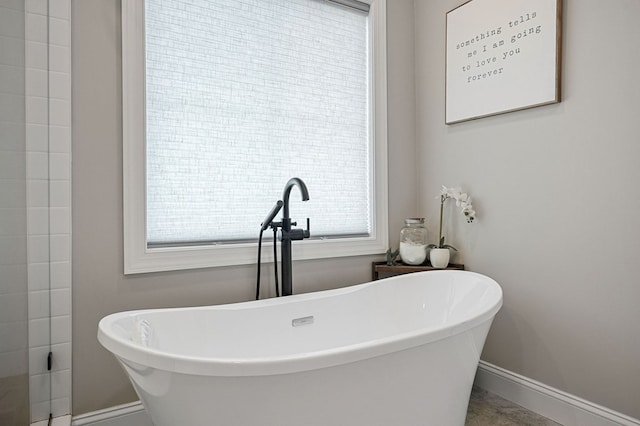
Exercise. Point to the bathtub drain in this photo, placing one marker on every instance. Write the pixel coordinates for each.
(297, 322)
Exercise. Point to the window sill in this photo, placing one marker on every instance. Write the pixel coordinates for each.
(181, 258)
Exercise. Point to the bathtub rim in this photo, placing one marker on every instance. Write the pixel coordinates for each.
(141, 358)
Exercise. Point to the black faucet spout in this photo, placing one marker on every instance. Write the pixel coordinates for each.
(287, 192)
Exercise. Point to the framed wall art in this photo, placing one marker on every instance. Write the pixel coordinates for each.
(502, 56)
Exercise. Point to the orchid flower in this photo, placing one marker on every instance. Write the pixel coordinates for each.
(463, 201)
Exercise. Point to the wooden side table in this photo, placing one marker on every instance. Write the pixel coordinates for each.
(381, 267)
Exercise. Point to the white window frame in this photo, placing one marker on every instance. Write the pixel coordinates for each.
(138, 258)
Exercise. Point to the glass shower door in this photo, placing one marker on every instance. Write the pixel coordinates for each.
(25, 325)
(14, 325)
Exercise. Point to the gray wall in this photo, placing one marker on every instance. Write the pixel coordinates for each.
(557, 197)
(99, 286)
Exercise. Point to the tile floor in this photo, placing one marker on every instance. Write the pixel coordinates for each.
(487, 409)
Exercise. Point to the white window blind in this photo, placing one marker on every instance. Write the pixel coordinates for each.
(242, 95)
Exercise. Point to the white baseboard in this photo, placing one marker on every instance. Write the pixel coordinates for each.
(559, 406)
(564, 408)
(131, 414)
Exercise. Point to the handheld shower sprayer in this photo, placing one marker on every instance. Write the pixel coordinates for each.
(272, 214)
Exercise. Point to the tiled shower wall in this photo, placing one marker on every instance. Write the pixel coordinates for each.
(48, 140)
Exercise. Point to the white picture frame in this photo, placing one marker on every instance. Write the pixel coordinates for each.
(502, 56)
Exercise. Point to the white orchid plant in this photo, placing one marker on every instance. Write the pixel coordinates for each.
(463, 201)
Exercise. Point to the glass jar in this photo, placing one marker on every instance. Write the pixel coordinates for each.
(413, 241)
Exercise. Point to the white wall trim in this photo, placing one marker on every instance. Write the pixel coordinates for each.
(121, 415)
(138, 258)
(562, 407)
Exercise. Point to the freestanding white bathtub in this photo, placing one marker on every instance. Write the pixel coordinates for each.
(401, 351)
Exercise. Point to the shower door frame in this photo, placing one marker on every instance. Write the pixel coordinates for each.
(48, 157)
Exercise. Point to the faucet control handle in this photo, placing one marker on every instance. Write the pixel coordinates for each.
(295, 233)
(307, 233)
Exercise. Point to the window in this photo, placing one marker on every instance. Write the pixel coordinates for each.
(225, 100)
